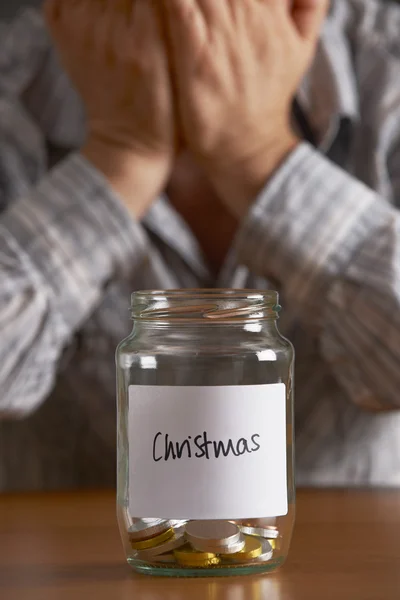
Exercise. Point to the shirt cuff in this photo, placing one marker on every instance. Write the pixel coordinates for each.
(76, 235)
(307, 224)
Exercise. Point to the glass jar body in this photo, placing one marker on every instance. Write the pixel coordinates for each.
(218, 365)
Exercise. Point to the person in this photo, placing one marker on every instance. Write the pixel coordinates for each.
(154, 145)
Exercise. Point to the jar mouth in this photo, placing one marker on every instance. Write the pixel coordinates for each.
(205, 305)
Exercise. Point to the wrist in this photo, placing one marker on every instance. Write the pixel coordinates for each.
(239, 181)
(137, 178)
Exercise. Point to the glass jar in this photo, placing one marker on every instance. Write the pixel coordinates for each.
(205, 434)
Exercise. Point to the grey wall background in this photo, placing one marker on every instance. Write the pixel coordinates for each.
(8, 8)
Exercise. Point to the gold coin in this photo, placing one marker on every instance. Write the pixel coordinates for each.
(252, 549)
(154, 541)
(273, 544)
(173, 543)
(144, 529)
(192, 558)
(202, 564)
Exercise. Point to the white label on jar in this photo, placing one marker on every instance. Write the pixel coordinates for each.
(207, 452)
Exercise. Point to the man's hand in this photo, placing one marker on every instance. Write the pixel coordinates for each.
(237, 66)
(114, 53)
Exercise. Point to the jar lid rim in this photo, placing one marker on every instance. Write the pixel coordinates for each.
(203, 293)
(205, 304)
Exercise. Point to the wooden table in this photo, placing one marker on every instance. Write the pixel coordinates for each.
(66, 547)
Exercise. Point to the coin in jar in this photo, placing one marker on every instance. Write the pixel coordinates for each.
(177, 522)
(213, 536)
(172, 543)
(265, 532)
(232, 548)
(144, 529)
(153, 541)
(266, 553)
(188, 557)
(252, 549)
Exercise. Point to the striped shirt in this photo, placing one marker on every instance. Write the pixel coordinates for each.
(325, 230)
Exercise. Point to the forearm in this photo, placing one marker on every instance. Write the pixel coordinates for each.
(333, 246)
(136, 178)
(239, 183)
(59, 247)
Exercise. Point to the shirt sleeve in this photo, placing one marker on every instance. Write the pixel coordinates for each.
(334, 247)
(60, 245)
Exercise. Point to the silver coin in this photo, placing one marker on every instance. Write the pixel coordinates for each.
(173, 543)
(177, 522)
(147, 521)
(266, 554)
(212, 536)
(265, 532)
(232, 548)
(147, 528)
(150, 520)
(171, 522)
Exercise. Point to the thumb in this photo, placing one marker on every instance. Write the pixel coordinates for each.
(308, 16)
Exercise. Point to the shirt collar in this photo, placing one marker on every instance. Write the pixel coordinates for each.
(164, 221)
(328, 93)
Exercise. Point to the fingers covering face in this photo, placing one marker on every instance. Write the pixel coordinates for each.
(187, 29)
